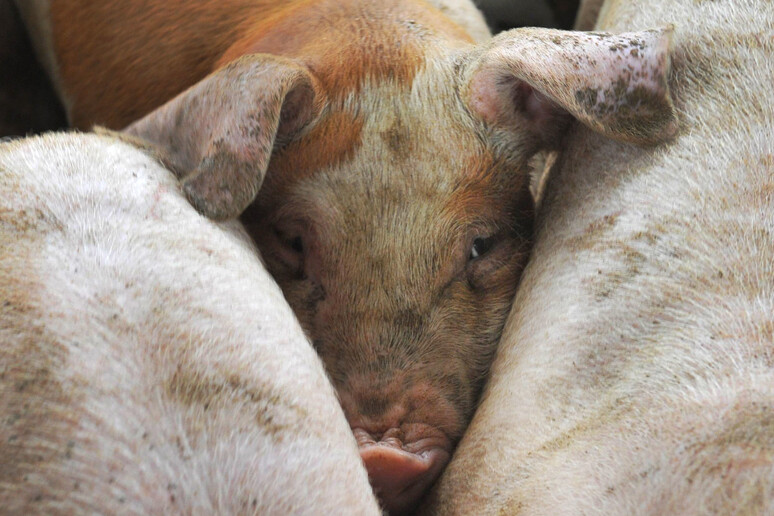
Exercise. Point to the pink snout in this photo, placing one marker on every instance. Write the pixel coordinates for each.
(400, 473)
(405, 430)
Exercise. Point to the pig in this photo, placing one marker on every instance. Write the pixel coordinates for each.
(635, 371)
(377, 153)
(149, 364)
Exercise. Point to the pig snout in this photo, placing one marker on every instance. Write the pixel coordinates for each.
(405, 436)
(400, 477)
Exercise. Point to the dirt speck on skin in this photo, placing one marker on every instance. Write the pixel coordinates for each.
(399, 141)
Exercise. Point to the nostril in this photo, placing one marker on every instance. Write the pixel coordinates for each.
(364, 438)
(392, 437)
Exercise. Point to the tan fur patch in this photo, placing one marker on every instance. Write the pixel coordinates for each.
(331, 142)
(141, 62)
(362, 40)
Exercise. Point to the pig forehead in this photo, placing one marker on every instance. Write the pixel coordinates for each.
(401, 123)
(391, 156)
(417, 141)
(406, 171)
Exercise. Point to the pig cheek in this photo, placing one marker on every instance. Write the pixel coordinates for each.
(437, 405)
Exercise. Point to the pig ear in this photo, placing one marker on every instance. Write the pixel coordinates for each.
(614, 84)
(218, 135)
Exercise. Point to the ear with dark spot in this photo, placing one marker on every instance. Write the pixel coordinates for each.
(218, 135)
(614, 84)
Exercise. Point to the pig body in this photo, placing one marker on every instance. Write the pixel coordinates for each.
(377, 151)
(635, 375)
(149, 363)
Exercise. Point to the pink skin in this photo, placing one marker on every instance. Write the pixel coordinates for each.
(401, 472)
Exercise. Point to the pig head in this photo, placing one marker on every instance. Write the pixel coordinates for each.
(397, 217)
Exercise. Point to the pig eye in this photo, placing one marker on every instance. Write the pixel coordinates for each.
(297, 244)
(292, 243)
(480, 247)
(289, 248)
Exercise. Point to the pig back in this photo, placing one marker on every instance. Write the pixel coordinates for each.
(635, 371)
(149, 364)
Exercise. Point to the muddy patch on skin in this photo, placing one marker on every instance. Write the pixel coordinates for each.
(596, 230)
(631, 260)
(39, 409)
(638, 111)
(399, 141)
(636, 103)
(223, 181)
(274, 414)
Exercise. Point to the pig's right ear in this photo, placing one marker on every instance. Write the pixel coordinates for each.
(218, 135)
(614, 84)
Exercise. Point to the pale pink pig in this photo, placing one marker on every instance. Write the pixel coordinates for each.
(149, 364)
(636, 371)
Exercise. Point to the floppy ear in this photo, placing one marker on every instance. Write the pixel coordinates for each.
(218, 135)
(614, 84)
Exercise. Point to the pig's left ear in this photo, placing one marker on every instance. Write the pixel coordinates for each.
(614, 84)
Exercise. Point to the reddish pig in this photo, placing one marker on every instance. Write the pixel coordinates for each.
(380, 151)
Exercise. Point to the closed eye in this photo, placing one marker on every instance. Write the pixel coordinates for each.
(289, 248)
